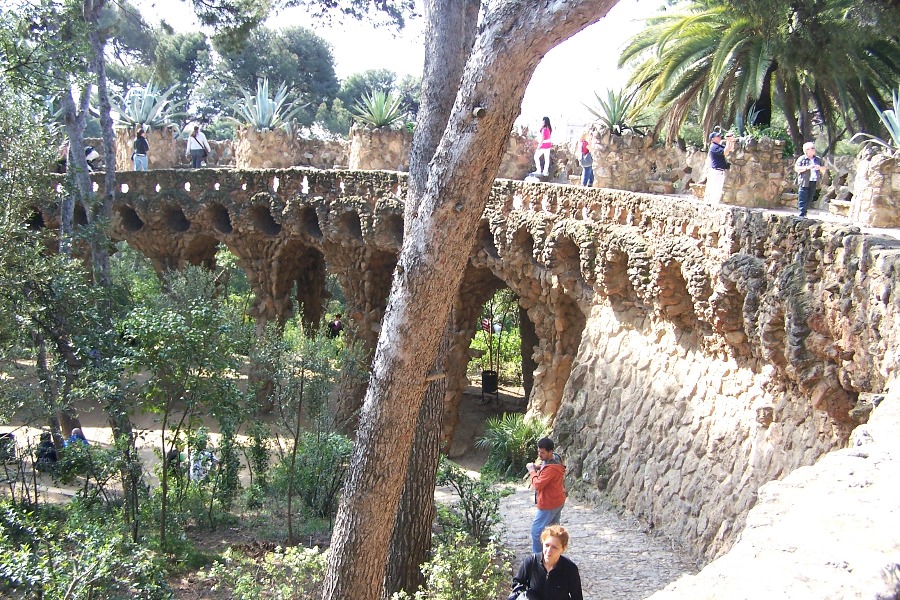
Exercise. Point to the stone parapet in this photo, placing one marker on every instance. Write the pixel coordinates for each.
(379, 148)
(279, 149)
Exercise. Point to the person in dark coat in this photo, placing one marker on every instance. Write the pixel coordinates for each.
(548, 575)
(45, 453)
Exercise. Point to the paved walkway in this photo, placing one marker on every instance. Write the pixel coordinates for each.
(616, 555)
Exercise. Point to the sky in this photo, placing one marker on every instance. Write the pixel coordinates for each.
(565, 80)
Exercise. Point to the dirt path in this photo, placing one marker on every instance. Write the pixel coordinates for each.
(617, 557)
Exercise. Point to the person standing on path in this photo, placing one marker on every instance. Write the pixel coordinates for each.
(547, 574)
(717, 165)
(197, 148)
(587, 163)
(141, 150)
(809, 168)
(550, 495)
(543, 149)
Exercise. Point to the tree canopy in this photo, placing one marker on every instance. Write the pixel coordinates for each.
(818, 60)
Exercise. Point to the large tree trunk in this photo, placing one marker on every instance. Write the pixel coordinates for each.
(411, 538)
(449, 39)
(439, 237)
(98, 212)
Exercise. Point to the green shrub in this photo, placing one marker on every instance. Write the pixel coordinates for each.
(319, 474)
(476, 513)
(511, 441)
(289, 574)
(74, 553)
(462, 571)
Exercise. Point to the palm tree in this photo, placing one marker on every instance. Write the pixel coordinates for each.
(816, 59)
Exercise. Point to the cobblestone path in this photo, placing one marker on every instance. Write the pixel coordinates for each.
(616, 556)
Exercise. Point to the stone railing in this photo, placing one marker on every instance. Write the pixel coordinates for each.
(278, 149)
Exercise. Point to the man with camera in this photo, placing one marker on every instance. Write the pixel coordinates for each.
(715, 174)
(809, 169)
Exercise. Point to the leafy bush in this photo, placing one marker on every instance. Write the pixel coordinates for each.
(262, 112)
(319, 476)
(461, 571)
(477, 512)
(511, 441)
(379, 109)
(775, 133)
(292, 573)
(147, 106)
(74, 553)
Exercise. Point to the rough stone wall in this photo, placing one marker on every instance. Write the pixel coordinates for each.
(825, 531)
(381, 148)
(166, 150)
(756, 177)
(876, 190)
(690, 353)
(278, 149)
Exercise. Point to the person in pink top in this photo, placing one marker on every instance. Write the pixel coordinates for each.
(544, 149)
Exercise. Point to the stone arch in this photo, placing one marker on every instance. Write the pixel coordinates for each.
(219, 218)
(563, 257)
(309, 223)
(389, 230)
(296, 263)
(486, 240)
(350, 225)
(128, 218)
(674, 301)
(200, 250)
(522, 245)
(174, 219)
(263, 221)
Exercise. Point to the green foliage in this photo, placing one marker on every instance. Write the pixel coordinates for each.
(618, 112)
(264, 113)
(511, 441)
(292, 573)
(498, 348)
(775, 133)
(79, 554)
(146, 106)
(891, 120)
(335, 119)
(476, 513)
(507, 351)
(460, 570)
(319, 473)
(379, 109)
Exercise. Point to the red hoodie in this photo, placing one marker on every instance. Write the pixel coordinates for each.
(548, 485)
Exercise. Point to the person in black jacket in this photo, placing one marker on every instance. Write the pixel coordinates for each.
(46, 454)
(548, 575)
(141, 150)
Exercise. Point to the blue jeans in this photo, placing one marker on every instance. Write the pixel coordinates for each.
(542, 520)
(587, 178)
(805, 196)
(140, 162)
(197, 158)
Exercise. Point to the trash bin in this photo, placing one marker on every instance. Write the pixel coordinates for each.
(489, 382)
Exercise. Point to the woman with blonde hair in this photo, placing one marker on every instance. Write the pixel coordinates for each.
(548, 575)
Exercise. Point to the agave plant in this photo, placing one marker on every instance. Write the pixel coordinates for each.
(379, 109)
(147, 106)
(618, 112)
(264, 113)
(891, 120)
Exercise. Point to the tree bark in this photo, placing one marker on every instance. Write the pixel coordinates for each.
(449, 38)
(439, 236)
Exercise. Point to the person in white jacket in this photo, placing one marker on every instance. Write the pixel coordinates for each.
(197, 147)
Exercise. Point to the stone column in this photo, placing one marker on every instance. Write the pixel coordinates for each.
(876, 191)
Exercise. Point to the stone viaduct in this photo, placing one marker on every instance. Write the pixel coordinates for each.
(689, 353)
